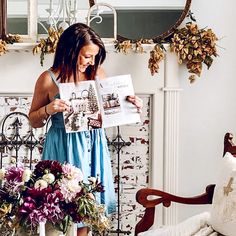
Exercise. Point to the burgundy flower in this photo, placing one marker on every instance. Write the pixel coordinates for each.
(14, 174)
(41, 205)
(48, 166)
(98, 188)
(71, 209)
(28, 206)
(32, 204)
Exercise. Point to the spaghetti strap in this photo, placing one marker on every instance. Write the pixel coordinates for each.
(53, 77)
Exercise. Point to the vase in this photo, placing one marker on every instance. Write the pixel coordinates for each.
(49, 231)
(22, 232)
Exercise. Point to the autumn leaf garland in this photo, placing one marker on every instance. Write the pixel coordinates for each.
(8, 39)
(48, 45)
(3, 47)
(194, 47)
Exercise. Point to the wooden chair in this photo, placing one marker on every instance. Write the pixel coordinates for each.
(165, 198)
(229, 145)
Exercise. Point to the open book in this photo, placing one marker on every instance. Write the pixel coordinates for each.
(99, 103)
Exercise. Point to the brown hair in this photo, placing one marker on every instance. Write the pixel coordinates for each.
(70, 43)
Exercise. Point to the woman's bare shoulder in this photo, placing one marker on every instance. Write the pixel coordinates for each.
(44, 79)
(101, 73)
(45, 76)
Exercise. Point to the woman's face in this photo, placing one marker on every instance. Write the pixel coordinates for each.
(87, 56)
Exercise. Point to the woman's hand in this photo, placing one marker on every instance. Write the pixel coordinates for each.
(57, 105)
(138, 102)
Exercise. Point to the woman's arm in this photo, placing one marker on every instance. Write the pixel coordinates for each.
(43, 104)
(38, 112)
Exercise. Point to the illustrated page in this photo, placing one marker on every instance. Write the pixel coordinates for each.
(85, 111)
(115, 109)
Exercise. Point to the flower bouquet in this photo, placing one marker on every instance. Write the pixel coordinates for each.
(54, 193)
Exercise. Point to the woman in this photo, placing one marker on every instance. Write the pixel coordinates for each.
(79, 55)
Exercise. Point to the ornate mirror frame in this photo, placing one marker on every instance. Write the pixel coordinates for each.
(3, 18)
(167, 33)
(158, 38)
(176, 25)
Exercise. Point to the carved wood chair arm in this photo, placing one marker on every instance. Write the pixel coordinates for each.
(166, 198)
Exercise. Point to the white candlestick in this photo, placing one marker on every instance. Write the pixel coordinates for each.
(74, 229)
(51, 5)
(75, 5)
(41, 228)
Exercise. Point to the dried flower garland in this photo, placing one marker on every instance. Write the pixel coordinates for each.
(3, 47)
(127, 46)
(12, 38)
(124, 46)
(48, 45)
(156, 56)
(194, 47)
(8, 39)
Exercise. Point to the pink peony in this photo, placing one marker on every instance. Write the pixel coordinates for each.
(69, 188)
(72, 172)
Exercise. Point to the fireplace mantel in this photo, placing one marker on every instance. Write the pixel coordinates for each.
(21, 70)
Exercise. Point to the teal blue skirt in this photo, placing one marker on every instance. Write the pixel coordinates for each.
(86, 150)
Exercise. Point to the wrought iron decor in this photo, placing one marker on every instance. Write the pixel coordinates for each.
(17, 133)
(19, 142)
(118, 143)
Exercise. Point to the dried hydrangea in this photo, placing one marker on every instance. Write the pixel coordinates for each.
(48, 45)
(156, 56)
(8, 39)
(124, 46)
(194, 47)
(3, 47)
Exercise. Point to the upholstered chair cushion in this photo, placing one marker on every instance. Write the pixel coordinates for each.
(223, 209)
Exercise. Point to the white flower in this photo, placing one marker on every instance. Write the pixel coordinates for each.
(41, 184)
(72, 172)
(13, 160)
(69, 188)
(2, 173)
(26, 175)
(49, 178)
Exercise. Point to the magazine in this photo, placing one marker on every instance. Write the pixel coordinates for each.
(98, 103)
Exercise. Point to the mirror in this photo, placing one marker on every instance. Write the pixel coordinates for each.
(17, 17)
(149, 19)
(59, 13)
(143, 19)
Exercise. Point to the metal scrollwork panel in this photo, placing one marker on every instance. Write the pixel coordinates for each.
(19, 142)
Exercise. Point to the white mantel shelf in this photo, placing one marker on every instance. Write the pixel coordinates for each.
(21, 46)
(110, 46)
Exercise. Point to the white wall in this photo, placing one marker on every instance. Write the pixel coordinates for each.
(207, 107)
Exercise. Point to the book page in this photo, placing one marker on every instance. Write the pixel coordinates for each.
(115, 109)
(85, 111)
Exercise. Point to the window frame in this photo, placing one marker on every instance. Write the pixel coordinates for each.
(3, 18)
(31, 35)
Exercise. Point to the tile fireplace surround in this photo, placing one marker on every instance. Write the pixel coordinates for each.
(151, 158)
